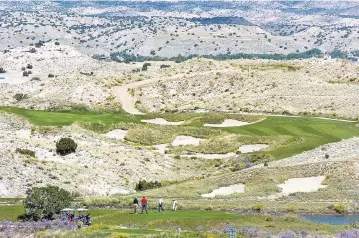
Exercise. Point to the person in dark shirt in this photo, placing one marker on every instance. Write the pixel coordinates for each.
(144, 205)
(135, 204)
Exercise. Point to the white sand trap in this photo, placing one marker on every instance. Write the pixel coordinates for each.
(299, 185)
(229, 123)
(252, 148)
(186, 140)
(117, 134)
(210, 156)
(161, 121)
(223, 191)
(304, 185)
(161, 148)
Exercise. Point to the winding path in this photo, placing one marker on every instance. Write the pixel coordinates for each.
(124, 97)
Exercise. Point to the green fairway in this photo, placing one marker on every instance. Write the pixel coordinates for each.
(11, 212)
(192, 219)
(110, 221)
(65, 118)
(307, 133)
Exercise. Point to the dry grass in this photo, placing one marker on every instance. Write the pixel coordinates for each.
(262, 182)
(226, 143)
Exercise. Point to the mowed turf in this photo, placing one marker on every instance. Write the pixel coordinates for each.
(190, 220)
(308, 133)
(11, 212)
(65, 118)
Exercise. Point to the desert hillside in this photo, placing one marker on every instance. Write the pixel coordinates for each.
(319, 87)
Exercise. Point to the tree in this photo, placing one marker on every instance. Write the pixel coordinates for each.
(2, 70)
(144, 185)
(65, 146)
(45, 202)
(145, 66)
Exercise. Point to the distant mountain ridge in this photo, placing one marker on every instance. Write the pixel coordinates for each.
(222, 20)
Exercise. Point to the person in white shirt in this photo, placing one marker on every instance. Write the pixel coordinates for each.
(174, 205)
(160, 205)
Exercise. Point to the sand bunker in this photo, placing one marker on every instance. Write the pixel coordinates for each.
(229, 123)
(186, 140)
(304, 185)
(210, 156)
(161, 121)
(161, 148)
(117, 134)
(223, 191)
(300, 185)
(252, 148)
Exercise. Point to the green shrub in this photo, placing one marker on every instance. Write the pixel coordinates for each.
(339, 208)
(2, 71)
(145, 66)
(258, 207)
(45, 202)
(144, 185)
(20, 96)
(26, 152)
(163, 66)
(121, 235)
(290, 218)
(291, 209)
(65, 146)
(268, 218)
(35, 79)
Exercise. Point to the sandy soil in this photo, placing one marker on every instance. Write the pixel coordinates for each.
(326, 88)
(99, 167)
(186, 140)
(14, 77)
(252, 148)
(161, 121)
(116, 134)
(124, 97)
(223, 191)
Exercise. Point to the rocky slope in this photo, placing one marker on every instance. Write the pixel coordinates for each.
(327, 87)
(100, 166)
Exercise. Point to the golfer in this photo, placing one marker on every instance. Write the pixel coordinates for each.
(174, 205)
(135, 204)
(144, 205)
(160, 205)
